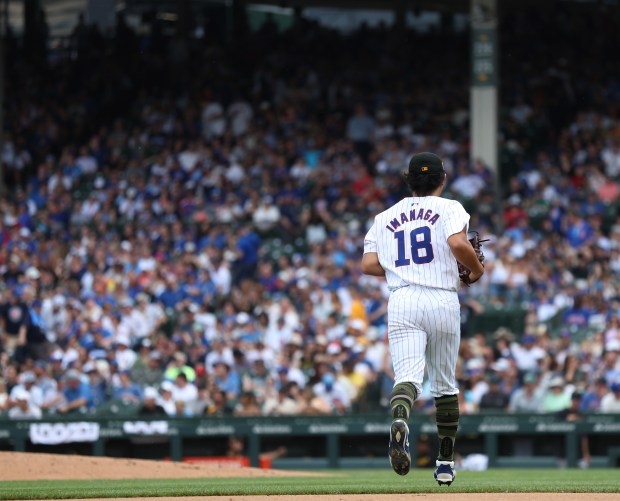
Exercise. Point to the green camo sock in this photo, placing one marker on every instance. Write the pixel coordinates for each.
(447, 424)
(401, 400)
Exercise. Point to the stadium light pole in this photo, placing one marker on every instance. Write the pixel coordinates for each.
(484, 84)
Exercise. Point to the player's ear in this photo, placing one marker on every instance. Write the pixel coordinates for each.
(443, 182)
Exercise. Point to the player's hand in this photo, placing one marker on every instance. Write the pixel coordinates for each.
(475, 276)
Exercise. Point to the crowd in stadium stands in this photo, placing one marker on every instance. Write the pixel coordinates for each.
(183, 230)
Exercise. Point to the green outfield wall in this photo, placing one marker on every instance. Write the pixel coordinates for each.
(315, 442)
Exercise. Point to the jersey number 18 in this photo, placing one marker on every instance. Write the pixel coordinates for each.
(421, 248)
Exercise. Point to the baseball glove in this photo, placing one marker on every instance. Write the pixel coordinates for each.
(476, 243)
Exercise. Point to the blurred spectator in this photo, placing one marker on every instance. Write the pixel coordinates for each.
(285, 404)
(76, 393)
(185, 392)
(478, 385)
(27, 383)
(147, 370)
(578, 314)
(266, 216)
(150, 406)
(494, 398)
(218, 404)
(591, 400)
(96, 384)
(332, 392)
(167, 399)
(247, 405)
(124, 357)
(360, 130)
(236, 448)
(15, 320)
(354, 381)
(4, 396)
(527, 354)
(528, 398)
(574, 413)
(179, 366)
(556, 398)
(610, 403)
(611, 362)
(256, 379)
(226, 380)
(219, 353)
(24, 407)
(127, 390)
(246, 261)
(467, 184)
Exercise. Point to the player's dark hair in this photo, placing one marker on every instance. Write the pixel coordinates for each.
(423, 184)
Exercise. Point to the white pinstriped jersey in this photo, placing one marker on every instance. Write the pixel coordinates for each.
(411, 241)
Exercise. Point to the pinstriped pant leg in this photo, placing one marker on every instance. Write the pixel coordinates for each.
(406, 337)
(443, 324)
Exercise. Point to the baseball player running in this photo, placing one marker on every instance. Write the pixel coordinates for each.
(415, 244)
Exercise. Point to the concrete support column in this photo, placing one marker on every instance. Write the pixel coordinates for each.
(484, 82)
(484, 123)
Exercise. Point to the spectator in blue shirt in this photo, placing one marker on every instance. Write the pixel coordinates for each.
(591, 400)
(77, 394)
(227, 380)
(96, 384)
(128, 391)
(172, 294)
(248, 245)
(579, 231)
(578, 314)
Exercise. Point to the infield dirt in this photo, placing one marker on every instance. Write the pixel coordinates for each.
(30, 466)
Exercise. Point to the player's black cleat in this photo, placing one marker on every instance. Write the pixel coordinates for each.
(398, 451)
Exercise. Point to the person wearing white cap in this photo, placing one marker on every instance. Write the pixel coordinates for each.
(149, 315)
(54, 315)
(24, 408)
(125, 357)
(27, 382)
(266, 215)
(557, 398)
(150, 404)
(610, 403)
(167, 399)
(134, 321)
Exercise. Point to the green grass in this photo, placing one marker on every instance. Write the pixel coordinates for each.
(340, 482)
